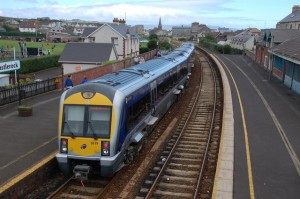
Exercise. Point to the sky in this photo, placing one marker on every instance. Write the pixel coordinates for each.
(238, 14)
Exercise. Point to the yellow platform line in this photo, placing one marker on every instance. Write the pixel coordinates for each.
(249, 167)
(26, 173)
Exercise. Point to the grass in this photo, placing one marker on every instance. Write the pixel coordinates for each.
(9, 44)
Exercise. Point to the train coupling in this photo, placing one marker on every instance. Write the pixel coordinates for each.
(81, 172)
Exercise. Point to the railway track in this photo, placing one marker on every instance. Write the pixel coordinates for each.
(187, 165)
(74, 188)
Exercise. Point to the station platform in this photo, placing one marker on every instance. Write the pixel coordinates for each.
(266, 148)
(25, 141)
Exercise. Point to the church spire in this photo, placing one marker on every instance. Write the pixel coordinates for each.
(159, 24)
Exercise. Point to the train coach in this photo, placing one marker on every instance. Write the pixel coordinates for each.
(103, 123)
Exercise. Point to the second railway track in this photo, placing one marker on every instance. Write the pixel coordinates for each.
(183, 168)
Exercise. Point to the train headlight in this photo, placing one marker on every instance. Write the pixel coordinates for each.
(105, 148)
(88, 95)
(64, 146)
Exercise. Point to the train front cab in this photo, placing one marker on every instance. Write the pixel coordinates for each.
(86, 134)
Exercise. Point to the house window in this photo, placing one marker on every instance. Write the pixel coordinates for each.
(114, 40)
(92, 39)
(298, 26)
(291, 26)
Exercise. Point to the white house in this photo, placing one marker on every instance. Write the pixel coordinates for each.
(124, 38)
(28, 26)
(242, 41)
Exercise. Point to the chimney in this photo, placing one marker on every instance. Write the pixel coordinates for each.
(295, 8)
(122, 21)
(116, 21)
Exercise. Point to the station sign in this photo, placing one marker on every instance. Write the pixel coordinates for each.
(10, 65)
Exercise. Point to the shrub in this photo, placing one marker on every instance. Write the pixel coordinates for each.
(34, 64)
(144, 50)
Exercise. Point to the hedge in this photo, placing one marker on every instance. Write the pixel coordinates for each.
(226, 49)
(21, 34)
(34, 64)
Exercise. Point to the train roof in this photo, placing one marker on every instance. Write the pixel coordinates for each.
(146, 71)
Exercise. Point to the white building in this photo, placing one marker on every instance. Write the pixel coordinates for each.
(4, 79)
(124, 38)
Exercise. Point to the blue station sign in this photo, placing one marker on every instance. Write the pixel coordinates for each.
(9, 66)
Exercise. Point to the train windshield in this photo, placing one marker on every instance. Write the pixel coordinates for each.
(86, 121)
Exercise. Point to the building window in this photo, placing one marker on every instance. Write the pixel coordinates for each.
(291, 26)
(92, 39)
(114, 40)
(298, 26)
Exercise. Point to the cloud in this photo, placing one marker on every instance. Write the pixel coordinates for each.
(27, 1)
(147, 12)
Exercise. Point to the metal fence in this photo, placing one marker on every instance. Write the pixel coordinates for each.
(24, 91)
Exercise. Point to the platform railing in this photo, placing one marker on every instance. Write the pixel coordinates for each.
(14, 94)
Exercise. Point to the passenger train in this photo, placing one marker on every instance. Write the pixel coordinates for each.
(103, 123)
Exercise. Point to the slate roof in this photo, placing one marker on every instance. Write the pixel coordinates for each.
(242, 37)
(93, 53)
(28, 24)
(280, 35)
(122, 29)
(88, 31)
(289, 48)
(293, 17)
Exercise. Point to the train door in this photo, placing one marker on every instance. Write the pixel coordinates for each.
(153, 94)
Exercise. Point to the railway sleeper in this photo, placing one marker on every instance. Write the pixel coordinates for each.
(178, 179)
(184, 167)
(163, 194)
(183, 142)
(198, 139)
(188, 150)
(192, 156)
(177, 187)
(196, 147)
(186, 160)
(180, 173)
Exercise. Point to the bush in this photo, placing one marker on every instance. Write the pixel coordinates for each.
(165, 45)
(226, 49)
(152, 44)
(144, 50)
(34, 64)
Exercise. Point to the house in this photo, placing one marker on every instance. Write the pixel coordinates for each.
(195, 31)
(292, 21)
(181, 32)
(199, 30)
(286, 63)
(243, 41)
(28, 26)
(270, 38)
(124, 38)
(81, 56)
(12, 23)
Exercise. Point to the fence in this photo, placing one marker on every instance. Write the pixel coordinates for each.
(24, 91)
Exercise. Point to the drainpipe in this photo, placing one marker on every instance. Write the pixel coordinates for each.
(293, 76)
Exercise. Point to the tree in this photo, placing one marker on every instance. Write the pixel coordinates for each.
(152, 44)
(144, 50)
(153, 36)
(165, 45)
